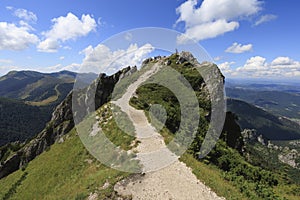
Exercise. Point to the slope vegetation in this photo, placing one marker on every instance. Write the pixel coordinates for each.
(20, 121)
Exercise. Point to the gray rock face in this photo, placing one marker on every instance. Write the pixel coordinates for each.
(62, 120)
(185, 56)
(289, 157)
(251, 136)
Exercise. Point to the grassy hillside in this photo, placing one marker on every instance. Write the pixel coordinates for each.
(67, 170)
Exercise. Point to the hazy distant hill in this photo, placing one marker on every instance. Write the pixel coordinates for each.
(27, 100)
(267, 124)
(39, 88)
(285, 103)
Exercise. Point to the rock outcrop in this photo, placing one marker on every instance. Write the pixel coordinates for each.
(62, 120)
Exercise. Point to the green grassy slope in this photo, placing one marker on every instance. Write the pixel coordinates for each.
(66, 170)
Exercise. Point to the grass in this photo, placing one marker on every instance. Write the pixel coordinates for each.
(66, 171)
(212, 177)
(121, 133)
(43, 102)
(46, 101)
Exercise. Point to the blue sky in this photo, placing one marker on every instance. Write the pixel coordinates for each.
(247, 38)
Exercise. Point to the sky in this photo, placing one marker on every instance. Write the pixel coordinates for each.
(246, 38)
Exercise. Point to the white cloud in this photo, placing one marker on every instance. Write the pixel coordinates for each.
(74, 67)
(258, 67)
(7, 68)
(254, 64)
(13, 37)
(226, 67)
(101, 58)
(282, 61)
(265, 18)
(214, 17)
(239, 48)
(218, 58)
(207, 30)
(61, 58)
(6, 61)
(25, 15)
(48, 45)
(56, 67)
(9, 8)
(66, 28)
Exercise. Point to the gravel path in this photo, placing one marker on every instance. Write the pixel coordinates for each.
(165, 176)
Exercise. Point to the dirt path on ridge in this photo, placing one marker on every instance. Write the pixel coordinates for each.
(165, 176)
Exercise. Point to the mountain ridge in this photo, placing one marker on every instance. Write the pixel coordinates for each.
(226, 159)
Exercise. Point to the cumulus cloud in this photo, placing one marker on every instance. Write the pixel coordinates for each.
(14, 37)
(48, 45)
(265, 18)
(18, 36)
(239, 48)
(25, 15)
(258, 67)
(226, 67)
(66, 28)
(207, 30)
(213, 17)
(254, 64)
(282, 61)
(101, 58)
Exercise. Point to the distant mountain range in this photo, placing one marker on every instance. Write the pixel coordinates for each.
(40, 88)
(279, 99)
(27, 100)
(267, 124)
